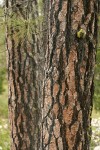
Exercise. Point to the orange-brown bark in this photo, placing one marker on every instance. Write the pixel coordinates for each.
(68, 84)
(24, 70)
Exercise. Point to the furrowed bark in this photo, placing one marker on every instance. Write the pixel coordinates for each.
(25, 74)
(68, 85)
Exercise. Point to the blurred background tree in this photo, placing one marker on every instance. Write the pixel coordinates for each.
(4, 129)
(2, 51)
(97, 74)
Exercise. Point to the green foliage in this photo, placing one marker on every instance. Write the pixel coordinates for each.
(4, 101)
(2, 52)
(97, 75)
(97, 82)
(4, 125)
(2, 74)
(4, 135)
(4, 130)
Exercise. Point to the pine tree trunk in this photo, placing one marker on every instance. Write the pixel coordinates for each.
(24, 69)
(69, 72)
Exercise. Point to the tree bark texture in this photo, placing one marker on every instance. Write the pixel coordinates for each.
(25, 74)
(69, 73)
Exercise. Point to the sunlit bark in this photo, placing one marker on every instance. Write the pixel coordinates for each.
(69, 72)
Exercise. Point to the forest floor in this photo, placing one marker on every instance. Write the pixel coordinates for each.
(95, 141)
(4, 129)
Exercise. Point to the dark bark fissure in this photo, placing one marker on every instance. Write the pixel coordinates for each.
(86, 5)
(74, 71)
(63, 135)
(77, 140)
(50, 134)
(57, 31)
(87, 100)
(68, 84)
(23, 73)
(68, 31)
(60, 117)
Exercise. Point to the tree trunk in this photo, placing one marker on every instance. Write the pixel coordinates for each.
(69, 73)
(24, 69)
